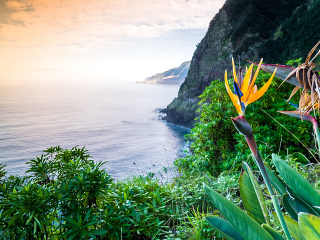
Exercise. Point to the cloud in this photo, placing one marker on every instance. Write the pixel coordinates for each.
(14, 5)
(87, 39)
(91, 24)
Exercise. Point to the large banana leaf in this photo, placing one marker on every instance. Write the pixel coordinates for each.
(294, 228)
(294, 205)
(310, 226)
(248, 228)
(301, 187)
(224, 228)
(252, 197)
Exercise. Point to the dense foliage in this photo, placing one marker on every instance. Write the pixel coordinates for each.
(69, 196)
(216, 145)
(66, 195)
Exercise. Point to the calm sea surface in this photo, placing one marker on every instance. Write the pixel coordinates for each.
(117, 123)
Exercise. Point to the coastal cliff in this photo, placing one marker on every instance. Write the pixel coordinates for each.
(174, 76)
(245, 30)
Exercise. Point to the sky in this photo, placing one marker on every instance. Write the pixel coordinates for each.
(77, 41)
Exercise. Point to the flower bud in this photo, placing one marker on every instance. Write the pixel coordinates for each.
(242, 125)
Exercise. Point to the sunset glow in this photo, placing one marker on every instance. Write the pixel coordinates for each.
(72, 41)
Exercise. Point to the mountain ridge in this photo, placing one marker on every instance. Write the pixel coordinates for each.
(172, 76)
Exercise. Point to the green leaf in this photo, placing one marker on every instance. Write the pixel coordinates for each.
(310, 226)
(31, 215)
(272, 232)
(288, 205)
(224, 228)
(301, 187)
(252, 197)
(293, 205)
(294, 228)
(245, 225)
(87, 215)
(277, 182)
(98, 232)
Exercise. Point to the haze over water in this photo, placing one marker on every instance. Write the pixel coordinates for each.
(116, 122)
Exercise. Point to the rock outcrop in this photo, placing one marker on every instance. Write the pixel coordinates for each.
(246, 29)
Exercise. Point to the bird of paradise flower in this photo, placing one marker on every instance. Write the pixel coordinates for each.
(245, 90)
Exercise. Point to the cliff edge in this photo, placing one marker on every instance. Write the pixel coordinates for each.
(245, 30)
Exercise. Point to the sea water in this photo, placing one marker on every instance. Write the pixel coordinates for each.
(117, 122)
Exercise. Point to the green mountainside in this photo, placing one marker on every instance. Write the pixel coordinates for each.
(246, 30)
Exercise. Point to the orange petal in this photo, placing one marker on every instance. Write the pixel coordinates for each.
(259, 94)
(245, 84)
(252, 91)
(256, 74)
(255, 88)
(234, 98)
(234, 72)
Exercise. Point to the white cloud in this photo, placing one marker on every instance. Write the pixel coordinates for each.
(83, 37)
(67, 22)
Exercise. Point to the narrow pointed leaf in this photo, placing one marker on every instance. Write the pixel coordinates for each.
(87, 216)
(277, 182)
(98, 232)
(282, 72)
(224, 228)
(294, 205)
(299, 115)
(310, 226)
(245, 225)
(252, 197)
(272, 232)
(301, 187)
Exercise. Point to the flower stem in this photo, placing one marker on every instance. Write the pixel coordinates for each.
(253, 147)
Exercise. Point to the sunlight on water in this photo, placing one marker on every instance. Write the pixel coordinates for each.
(117, 123)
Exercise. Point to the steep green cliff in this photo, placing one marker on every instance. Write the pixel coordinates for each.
(246, 29)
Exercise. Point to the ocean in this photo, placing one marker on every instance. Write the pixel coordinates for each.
(117, 122)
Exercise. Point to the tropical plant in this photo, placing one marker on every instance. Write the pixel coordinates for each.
(299, 198)
(27, 211)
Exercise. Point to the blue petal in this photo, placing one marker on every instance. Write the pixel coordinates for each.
(243, 107)
(292, 104)
(237, 90)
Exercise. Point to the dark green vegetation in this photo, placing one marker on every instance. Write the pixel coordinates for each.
(294, 37)
(69, 196)
(247, 30)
